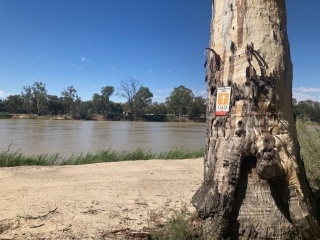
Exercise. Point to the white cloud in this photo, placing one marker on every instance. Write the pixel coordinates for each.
(303, 93)
(203, 92)
(4, 94)
(160, 98)
(200, 92)
(75, 67)
(112, 66)
(167, 71)
(304, 89)
(83, 59)
(166, 90)
(150, 71)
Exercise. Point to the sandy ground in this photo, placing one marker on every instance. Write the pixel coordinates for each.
(86, 201)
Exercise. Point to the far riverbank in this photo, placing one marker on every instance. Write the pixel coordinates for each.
(99, 117)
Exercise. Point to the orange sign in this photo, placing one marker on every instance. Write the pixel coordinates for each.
(223, 98)
(223, 101)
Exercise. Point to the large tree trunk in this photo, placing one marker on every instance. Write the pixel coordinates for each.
(254, 179)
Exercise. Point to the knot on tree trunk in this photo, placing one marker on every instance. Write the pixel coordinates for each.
(268, 165)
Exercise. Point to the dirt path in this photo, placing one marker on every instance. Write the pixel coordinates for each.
(83, 202)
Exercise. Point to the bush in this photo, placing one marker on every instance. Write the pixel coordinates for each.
(4, 115)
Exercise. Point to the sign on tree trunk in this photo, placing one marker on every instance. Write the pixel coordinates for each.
(254, 179)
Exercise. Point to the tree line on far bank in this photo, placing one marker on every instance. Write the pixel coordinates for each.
(307, 110)
(138, 106)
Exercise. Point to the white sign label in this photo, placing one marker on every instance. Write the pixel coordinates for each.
(223, 101)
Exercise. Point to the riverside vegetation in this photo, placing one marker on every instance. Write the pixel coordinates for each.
(35, 100)
(12, 159)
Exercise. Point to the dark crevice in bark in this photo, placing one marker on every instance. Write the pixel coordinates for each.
(280, 193)
(246, 168)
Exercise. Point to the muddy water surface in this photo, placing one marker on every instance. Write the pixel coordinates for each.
(67, 137)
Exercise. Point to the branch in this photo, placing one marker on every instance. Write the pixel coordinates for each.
(40, 216)
(36, 226)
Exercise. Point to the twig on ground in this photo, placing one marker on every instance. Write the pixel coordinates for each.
(36, 226)
(138, 232)
(118, 230)
(130, 219)
(129, 232)
(142, 203)
(92, 211)
(40, 216)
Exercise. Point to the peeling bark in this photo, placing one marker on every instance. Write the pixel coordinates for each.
(254, 179)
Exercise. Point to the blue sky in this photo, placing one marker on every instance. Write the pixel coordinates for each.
(90, 44)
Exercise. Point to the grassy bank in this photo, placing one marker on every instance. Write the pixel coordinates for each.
(309, 139)
(11, 159)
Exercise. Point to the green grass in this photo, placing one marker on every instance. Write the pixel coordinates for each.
(11, 159)
(309, 139)
(182, 225)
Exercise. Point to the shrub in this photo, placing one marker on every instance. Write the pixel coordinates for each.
(181, 225)
(4, 115)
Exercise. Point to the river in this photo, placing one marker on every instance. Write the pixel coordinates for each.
(67, 137)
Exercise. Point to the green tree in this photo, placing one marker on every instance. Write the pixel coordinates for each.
(96, 103)
(27, 96)
(54, 105)
(157, 108)
(197, 107)
(307, 110)
(68, 96)
(14, 103)
(106, 92)
(77, 107)
(115, 111)
(39, 93)
(141, 100)
(179, 100)
(2, 106)
(87, 108)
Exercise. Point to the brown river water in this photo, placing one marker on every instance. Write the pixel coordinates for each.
(67, 137)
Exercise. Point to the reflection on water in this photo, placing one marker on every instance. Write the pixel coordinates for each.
(67, 137)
